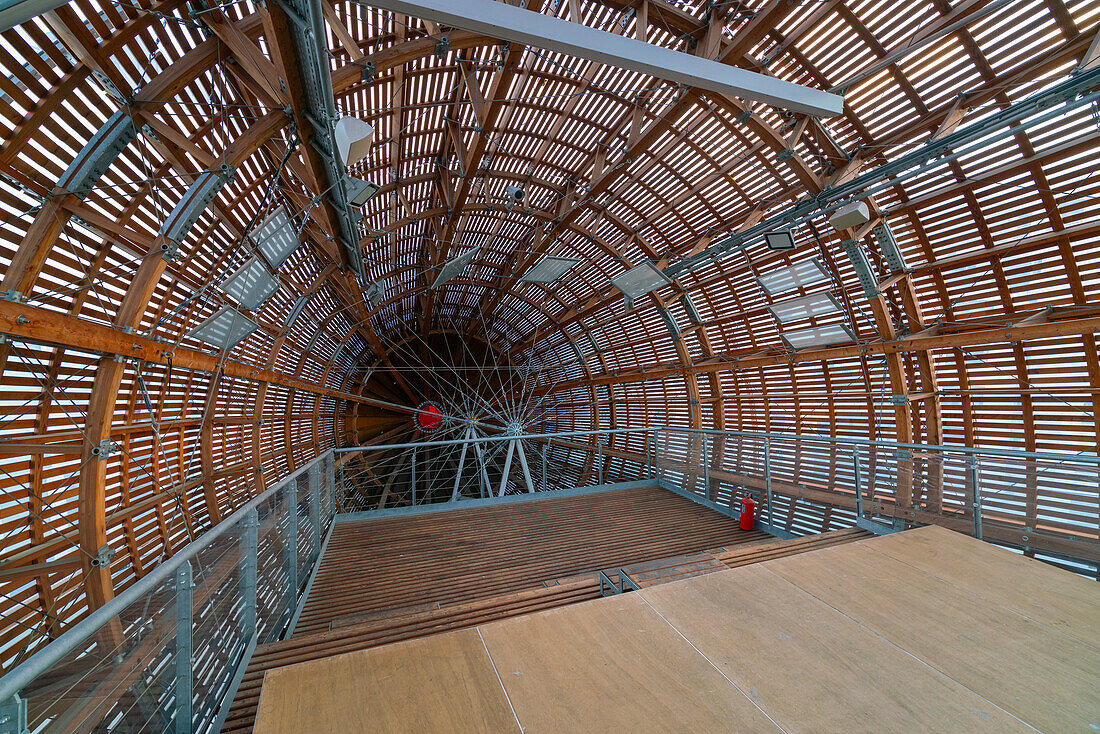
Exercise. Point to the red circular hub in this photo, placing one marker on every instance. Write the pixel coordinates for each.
(428, 417)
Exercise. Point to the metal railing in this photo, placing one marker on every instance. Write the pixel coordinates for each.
(480, 467)
(168, 652)
(1046, 504)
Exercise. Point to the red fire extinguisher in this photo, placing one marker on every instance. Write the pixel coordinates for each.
(748, 508)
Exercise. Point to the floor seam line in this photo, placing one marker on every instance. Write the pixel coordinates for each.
(501, 682)
(919, 659)
(995, 603)
(720, 671)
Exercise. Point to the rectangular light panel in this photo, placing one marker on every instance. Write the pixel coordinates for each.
(800, 275)
(276, 237)
(224, 329)
(640, 280)
(807, 307)
(818, 336)
(549, 269)
(251, 285)
(454, 266)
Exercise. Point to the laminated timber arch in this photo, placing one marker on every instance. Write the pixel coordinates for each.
(996, 313)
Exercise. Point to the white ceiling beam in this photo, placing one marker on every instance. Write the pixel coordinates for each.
(510, 23)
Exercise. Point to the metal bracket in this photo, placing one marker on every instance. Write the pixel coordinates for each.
(899, 399)
(14, 296)
(442, 48)
(105, 448)
(13, 716)
(103, 557)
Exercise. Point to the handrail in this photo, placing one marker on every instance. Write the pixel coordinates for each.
(1009, 453)
(40, 662)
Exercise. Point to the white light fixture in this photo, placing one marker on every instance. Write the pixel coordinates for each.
(889, 246)
(353, 139)
(224, 329)
(360, 191)
(850, 215)
(818, 336)
(814, 305)
(276, 237)
(549, 269)
(639, 281)
(251, 285)
(454, 266)
(800, 275)
(780, 240)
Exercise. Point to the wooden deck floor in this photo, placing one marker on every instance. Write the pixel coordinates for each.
(459, 555)
(925, 631)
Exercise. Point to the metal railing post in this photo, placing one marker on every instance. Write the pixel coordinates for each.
(338, 490)
(976, 485)
(768, 477)
(599, 460)
(13, 716)
(248, 574)
(858, 482)
(315, 478)
(184, 696)
(413, 477)
(706, 466)
(290, 543)
(649, 455)
(545, 451)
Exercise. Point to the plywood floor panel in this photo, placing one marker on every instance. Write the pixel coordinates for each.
(811, 668)
(1039, 591)
(613, 665)
(1046, 678)
(435, 684)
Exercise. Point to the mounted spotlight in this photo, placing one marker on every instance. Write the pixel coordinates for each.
(512, 196)
(353, 139)
(779, 240)
(360, 191)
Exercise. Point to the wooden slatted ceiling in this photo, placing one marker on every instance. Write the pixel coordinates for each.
(1003, 232)
(460, 555)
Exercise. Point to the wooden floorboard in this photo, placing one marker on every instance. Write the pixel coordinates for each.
(464, 555)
